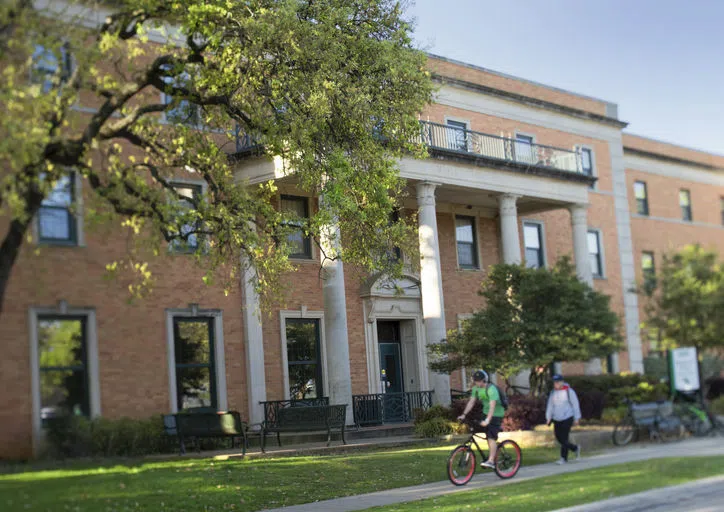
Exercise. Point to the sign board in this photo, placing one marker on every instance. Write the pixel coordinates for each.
(684, 368)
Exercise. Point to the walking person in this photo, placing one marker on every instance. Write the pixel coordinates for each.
(564, 411)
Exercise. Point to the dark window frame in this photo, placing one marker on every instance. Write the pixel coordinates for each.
(686, 210)
(642, 204)
(541, 261)
(475, 265)
(72, 238)
(210, 321)
(318, 374)
(42, 74)
(306, 240)
(83, 319)
(459, 130)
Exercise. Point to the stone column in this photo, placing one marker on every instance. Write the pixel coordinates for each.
(254, 341)
(510, 245)
(335, 322)
(509, 233)
(433, 304)
(579, 225)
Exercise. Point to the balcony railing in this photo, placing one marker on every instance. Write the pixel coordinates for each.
(468, 142)
(459, 140)
(385, 408)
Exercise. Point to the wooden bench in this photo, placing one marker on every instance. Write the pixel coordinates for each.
(306, 418)
(196, 425)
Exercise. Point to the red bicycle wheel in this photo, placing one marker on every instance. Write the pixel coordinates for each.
(461, 465)
(508, 459)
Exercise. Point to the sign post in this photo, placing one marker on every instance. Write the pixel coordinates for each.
(684, 370)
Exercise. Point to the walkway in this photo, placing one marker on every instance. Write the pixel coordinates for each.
(692, 447)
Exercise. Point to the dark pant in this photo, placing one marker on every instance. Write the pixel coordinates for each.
(562, 430)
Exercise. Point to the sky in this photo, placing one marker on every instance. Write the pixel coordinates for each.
(661, 61)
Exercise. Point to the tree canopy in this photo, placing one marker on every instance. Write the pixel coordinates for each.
(684, 302)
(159, 87)
(531, 319)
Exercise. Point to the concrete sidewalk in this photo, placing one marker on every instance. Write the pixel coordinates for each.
(705, 495)
(692, 447)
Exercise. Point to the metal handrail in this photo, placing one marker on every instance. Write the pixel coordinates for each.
(452, 138)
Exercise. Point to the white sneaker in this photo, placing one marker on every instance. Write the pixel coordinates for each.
(561, 461)
(487, 464)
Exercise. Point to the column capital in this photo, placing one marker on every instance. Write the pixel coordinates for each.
(507, 204)
(426, 193)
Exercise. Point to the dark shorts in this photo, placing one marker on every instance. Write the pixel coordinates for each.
(494, 428)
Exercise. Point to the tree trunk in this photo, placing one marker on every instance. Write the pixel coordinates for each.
(9, 251)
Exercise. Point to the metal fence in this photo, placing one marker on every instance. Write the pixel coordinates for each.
(452, 138)
(382, 408)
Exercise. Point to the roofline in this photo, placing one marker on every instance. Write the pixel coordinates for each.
(529, 100)
(670, 159)
(674, 144)
(513, 77)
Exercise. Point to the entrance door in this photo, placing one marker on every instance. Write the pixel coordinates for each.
(393, 400)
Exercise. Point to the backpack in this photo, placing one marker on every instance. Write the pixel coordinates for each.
(501, 393)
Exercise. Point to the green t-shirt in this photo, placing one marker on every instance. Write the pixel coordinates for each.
(485, 395)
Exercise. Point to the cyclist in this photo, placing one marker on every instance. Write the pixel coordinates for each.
(492, 411)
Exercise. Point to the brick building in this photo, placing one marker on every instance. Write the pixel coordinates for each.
(518, 172)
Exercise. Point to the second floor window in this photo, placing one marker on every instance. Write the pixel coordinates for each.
(594, 253)
(300, 243)
(466, 242)
(533, 236)
(685, 204)
(56, 221)
(457, 135)
(187, 195)
(50, 67)
(184, 111)
(524, 149)
(587, 162)
(642, 198)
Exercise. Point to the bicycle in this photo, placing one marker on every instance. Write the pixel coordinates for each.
(461, 463)
(697, 418)
(657, 417)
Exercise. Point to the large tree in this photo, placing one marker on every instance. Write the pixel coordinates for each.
(684, 301)
(531, 318)
(158, 87)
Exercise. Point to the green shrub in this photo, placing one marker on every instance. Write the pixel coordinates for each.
(434, 427)
(76, 436)
(639, 388)
(436, 411)
(614, 415)
(717, 406)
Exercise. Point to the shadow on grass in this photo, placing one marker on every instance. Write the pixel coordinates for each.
(246, 485)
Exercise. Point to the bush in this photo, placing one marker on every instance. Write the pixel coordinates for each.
(436, 411)
(592, 404)
(77, 436)
(639, 388)
(717, 406)
(458, 407)
(614, 415)
(524, 413)
(434, 427)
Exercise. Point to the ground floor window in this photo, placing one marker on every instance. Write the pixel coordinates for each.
(195, 362)
(304, 357)
(63, 366)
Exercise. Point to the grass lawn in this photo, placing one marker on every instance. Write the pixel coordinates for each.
(554, 492)
(242, 485)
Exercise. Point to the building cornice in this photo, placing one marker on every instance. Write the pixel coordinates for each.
(527, 100)
(670, 159)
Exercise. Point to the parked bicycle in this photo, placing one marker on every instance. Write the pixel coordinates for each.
(462, 462)
(696, 417)
(658, 418)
